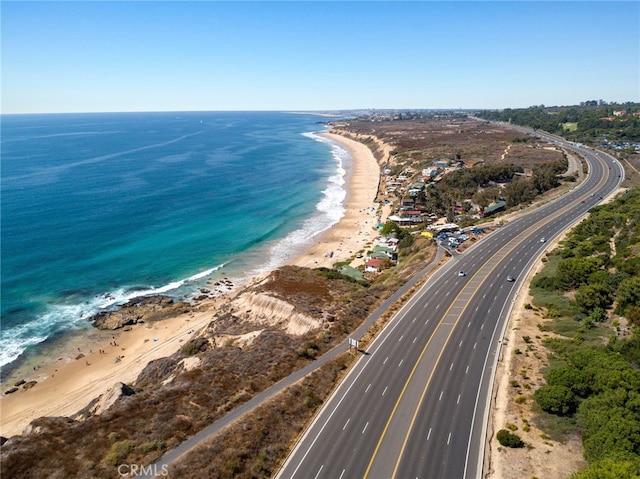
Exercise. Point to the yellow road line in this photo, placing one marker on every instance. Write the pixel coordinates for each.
(523, 235)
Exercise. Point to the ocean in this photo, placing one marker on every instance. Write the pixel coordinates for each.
(100, 208)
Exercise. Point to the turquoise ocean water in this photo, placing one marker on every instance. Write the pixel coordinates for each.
(100, 208)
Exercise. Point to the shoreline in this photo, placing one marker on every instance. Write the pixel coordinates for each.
(357, 227)
(65, 386)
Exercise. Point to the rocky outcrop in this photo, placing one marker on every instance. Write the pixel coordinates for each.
(109, 398)
(190, 363)
(139, 310)
(47, 424)
(103, 402)
(157, 371)
(29, 385)
(25, 385)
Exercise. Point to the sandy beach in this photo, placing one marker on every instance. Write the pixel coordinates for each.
(67, 385)
(357, 227)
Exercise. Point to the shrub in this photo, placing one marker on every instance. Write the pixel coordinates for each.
(508, 439)
(195, 346)
(119, 452)
(547, 283)
(155, 445)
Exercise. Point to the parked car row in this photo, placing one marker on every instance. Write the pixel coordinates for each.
(452, 239)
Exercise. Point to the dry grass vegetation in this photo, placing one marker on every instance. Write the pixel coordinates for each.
(171, 403)
(254, 447)
(247, 347)
(416, 143)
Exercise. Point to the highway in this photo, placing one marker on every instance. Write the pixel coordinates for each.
(416, 404)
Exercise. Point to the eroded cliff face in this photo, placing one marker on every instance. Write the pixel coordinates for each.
(265, 310)
(255, 338)
(296, 301)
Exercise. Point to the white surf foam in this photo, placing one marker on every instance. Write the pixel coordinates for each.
(329, 210)
(67, 317)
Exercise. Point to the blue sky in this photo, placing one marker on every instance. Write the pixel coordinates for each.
(167, 56)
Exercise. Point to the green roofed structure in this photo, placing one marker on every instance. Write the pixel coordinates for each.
(352, 272)
(494, 208)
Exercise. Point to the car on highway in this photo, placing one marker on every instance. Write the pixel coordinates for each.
(511, 279)
(543, 240)
(461, 273)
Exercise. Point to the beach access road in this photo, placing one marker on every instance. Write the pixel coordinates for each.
(417, 404)
(175, 454)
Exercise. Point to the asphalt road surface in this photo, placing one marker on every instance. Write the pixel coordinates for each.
(416, 403)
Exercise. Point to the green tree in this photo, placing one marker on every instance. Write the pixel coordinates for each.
(391, 228)
(628, 292)
(617, 438)
(590, 297)
(610, 424)
(609, 469)
(578, 380)
(632, 313)
(558, 400)
(598, 315)
(573, 272)
(603, 277)
(520, 190)
(487, 196)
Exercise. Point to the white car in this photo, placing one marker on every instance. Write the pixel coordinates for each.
(543, 240)
(461, 273)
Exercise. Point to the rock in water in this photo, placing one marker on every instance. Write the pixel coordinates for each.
(138, 310)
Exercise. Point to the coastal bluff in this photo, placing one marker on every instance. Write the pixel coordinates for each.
(139, 310)
(250, 341)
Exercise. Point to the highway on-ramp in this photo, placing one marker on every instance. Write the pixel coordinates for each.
(415, 405)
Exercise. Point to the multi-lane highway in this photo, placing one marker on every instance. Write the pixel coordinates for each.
(416, 404)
